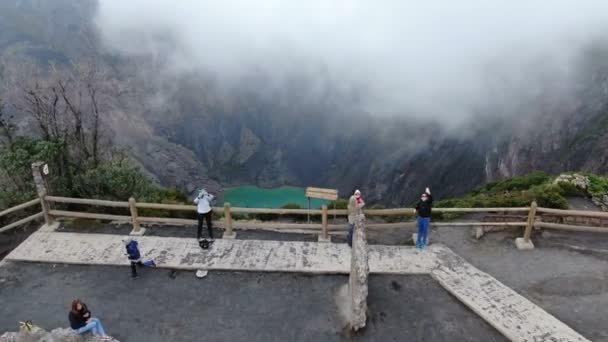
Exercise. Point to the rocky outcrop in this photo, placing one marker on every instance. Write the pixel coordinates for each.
(578, 180)
(250, 143)
(38, 334)
(582, 183)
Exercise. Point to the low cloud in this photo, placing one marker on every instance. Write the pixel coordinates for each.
(448, 61)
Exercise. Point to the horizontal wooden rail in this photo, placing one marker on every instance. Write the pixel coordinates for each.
(168, 220)
(164, 206)
(388, 212)
(410, 211)
(20, 207)
(479, 210)
(275, 211)
(103, 203)
(571, 227)
(76, 214)
(22, 221)
(599, 214)
(476, 224)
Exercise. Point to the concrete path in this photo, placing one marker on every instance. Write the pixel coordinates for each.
(513, 315)
(233, 255)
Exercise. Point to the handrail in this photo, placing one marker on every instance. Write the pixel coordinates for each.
(77, 214)
(275, 211)
(323, 225)
(169, 206)
(480, 210)
(599, 214)
(22, 221)
(104, 203)
(571, 227)
(20, 206)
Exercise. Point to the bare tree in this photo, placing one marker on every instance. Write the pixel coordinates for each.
(69, 105)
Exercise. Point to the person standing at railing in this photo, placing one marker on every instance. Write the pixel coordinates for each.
(423, 209)
(204, 212)
(355, 204)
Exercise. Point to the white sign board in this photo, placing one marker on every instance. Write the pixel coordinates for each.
(326, 194)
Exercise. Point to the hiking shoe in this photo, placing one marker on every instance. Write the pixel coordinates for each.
(418, 245)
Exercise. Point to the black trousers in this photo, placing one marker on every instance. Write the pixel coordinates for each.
(134, 265)
(206, 217)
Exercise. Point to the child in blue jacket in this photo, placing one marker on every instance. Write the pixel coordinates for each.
(135, 257)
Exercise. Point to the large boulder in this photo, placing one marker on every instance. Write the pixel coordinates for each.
(38, 334)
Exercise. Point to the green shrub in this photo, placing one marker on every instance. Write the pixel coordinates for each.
(274, 217)
(550, 196)
(598, 185)
(340, 203)
(517, 183)
(570, 190)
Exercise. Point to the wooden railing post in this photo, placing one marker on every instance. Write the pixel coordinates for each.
(137, 230)
(531, 219)
(41, 189)
(525, 242)
(228, 233)
(324, 237)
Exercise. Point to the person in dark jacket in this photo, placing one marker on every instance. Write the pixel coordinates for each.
(82, 322)
(423, 209)
(135, 257)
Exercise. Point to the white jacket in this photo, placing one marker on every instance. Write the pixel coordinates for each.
(203, 203)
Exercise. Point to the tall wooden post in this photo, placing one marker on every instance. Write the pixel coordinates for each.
(524, 242)
(308, 215)
(324, 226)
(228, 233)
(41, 189)
(531, 219)
(136, 227)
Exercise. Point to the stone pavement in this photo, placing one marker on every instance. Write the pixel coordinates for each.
(513, 315)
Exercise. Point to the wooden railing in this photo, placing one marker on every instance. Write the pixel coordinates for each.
(23, 220)
(533, 218)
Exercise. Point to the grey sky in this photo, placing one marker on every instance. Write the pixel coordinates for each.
(414, 58)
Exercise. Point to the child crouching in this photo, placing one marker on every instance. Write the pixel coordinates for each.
(135, 257)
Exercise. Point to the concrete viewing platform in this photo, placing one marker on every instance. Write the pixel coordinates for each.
(514, 316)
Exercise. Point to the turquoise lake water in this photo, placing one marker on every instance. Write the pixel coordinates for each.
(256, 197)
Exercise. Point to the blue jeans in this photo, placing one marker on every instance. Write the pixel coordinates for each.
(423, 230)
(351, 227)
(93, 326)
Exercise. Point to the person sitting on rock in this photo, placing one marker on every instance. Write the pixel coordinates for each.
(135, 257)
(82, 322)
(423, 209)
(204, 212)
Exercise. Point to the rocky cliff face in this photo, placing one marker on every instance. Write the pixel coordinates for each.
(188, 131)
